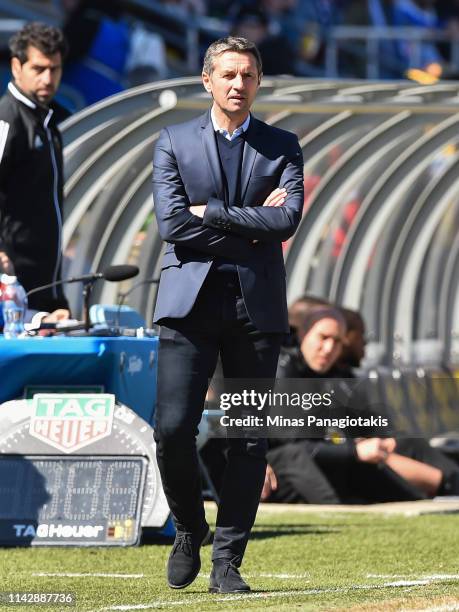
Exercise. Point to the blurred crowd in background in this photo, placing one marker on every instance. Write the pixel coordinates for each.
(119, 44)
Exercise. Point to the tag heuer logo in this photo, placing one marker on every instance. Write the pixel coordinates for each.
(71, 421)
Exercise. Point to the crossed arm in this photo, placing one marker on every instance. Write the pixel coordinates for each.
(182, 222)
(176, 223)
(275, 198)
(276, 219)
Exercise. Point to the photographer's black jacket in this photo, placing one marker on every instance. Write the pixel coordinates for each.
(31, 194)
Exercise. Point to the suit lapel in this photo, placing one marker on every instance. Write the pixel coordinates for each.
(249, 156)
(211, 154)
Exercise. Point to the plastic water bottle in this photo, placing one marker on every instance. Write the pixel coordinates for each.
(14, 302)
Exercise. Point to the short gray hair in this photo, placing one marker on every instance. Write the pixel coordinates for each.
(230, 43)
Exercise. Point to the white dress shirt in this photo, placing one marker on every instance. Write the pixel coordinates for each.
(237, 132)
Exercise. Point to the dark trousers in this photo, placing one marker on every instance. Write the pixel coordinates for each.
(189, 348)
(307, 473)
(305, 478)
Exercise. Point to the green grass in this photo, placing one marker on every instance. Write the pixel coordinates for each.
(321, 562)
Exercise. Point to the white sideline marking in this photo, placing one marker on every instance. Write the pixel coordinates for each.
(444, 608)
(293, 576)
(262, 575)
(400, 583)
(264, 595)
(89, 575)
(443, 577)
(417, 576)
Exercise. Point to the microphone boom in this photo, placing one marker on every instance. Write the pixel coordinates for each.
(112, 274)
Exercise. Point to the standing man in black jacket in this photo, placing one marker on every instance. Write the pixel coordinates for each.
(31, 165)
(228, 189)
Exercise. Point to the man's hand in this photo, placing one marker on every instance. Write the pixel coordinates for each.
(198, 210)
(270, 483)
(276, 197)
(61, 314)
(374, 450)
(6, 265)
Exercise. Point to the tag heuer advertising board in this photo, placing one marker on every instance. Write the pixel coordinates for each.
(76, 469)
(71, 422)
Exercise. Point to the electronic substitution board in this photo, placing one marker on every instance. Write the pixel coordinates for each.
(76, 469)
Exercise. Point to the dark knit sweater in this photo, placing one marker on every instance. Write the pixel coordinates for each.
(230, 154)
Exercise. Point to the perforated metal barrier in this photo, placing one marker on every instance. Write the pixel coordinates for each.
(381, 215)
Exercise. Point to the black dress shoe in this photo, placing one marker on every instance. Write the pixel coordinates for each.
(184, 561)
(225, 578)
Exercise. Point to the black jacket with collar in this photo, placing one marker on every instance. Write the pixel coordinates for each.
(31, 194)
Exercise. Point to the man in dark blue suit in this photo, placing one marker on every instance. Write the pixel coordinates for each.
(228, 189)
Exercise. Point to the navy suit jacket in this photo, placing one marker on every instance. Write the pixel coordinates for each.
(186, 170)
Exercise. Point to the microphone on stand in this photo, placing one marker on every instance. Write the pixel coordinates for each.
(111, 274)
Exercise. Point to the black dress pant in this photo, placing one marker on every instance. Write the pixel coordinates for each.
(189, 348)
(309, 471)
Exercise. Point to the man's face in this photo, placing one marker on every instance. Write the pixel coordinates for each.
(39, 76)
(321, 346)
(233, 83)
